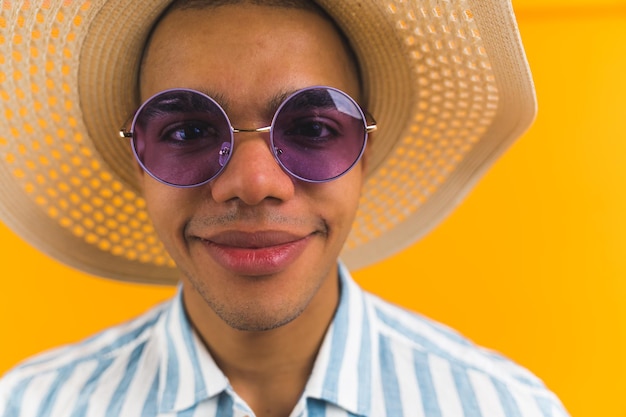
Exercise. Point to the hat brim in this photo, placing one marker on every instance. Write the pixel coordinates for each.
(447, 82)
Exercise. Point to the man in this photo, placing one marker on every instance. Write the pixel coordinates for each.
(252, 158)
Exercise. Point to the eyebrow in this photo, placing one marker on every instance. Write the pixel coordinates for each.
(183, 101)
(308, 100)
(316, 98)
(191, 102)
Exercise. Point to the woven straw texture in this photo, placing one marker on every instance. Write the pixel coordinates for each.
(446, 80)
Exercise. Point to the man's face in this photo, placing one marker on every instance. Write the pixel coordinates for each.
(255, 245)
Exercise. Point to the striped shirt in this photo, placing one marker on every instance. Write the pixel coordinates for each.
(376, 360)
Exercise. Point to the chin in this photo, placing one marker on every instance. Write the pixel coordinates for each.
(249, 320)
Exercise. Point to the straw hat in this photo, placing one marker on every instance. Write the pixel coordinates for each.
(446, 80)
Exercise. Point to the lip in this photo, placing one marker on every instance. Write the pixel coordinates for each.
(255, 254)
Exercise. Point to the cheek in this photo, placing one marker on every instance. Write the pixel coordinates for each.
(167, 207)
(342, 199)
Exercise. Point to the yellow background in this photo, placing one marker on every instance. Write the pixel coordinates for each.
(532, 264)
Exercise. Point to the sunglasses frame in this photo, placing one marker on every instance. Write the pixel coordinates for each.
(369, 125)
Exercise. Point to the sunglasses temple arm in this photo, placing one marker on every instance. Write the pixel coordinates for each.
(124, 132)
(371, 123)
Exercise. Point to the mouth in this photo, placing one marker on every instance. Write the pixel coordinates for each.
(255, 254)
(257, 240)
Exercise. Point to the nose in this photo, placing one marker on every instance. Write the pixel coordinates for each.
(252, 174)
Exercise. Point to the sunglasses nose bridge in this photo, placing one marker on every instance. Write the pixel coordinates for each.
(252, 173)
(264, 129)
(248, 135)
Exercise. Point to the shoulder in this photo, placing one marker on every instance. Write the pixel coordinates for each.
(439, 363)
(75, 371)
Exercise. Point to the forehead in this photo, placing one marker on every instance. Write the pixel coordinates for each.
(243, 46)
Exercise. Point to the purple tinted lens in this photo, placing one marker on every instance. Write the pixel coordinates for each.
(318, 134)
(182, 137)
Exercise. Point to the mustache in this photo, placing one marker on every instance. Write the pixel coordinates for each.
(255, 218)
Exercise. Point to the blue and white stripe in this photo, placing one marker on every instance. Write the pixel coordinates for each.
(376, 360)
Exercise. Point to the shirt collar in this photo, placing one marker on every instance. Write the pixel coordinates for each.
(187, 374)
(342, 373)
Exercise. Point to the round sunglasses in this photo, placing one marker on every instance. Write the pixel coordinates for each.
(184, 138)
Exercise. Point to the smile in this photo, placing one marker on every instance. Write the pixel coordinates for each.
(255, 254)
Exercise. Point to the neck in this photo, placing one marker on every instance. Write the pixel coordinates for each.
(268, 369)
